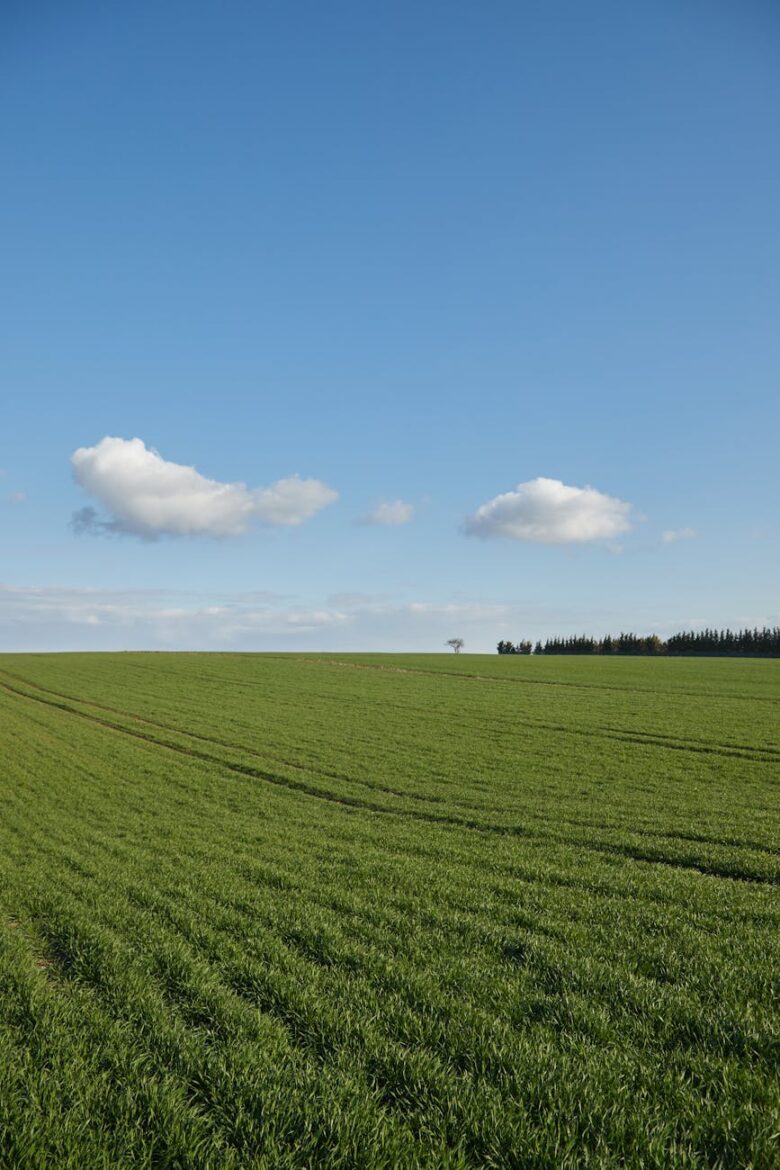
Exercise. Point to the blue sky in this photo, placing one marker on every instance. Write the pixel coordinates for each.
(417, 255)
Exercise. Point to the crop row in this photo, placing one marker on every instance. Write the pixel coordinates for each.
(215, 953)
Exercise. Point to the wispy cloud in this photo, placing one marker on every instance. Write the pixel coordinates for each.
(392, 512)
(547, 511)
(672, 535)
(148, 496)
(61, 618)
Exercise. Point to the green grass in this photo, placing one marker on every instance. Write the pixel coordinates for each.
(388, 911)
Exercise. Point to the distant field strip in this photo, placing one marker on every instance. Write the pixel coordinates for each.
(269, 912)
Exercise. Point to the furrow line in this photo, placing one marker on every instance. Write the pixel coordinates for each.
(349, 802)
(642, 738)
(533, 682)
(215, 740)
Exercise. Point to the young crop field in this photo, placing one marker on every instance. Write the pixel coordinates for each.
(388, 912)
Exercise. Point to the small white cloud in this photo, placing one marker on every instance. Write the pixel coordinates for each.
(547, 511)
(674, 534)
(148, 496)
(17, 498)
(393, 512)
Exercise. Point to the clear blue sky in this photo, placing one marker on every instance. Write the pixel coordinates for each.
(421, 254)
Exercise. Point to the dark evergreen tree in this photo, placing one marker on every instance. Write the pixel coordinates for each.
(755, 643)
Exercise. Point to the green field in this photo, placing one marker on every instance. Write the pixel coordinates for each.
(388, 912)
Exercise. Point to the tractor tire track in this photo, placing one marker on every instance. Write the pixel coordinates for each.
(715, 869)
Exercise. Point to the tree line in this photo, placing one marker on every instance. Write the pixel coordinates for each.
(764, 643)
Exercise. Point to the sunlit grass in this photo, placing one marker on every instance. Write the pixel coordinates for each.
(388, 911)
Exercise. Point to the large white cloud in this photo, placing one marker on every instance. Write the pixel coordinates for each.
(148, 496)
(550, 512)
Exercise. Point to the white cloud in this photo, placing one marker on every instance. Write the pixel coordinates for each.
(674, 534)
(393, 512)
(550, 512)
(291, 500)
(148, 496)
